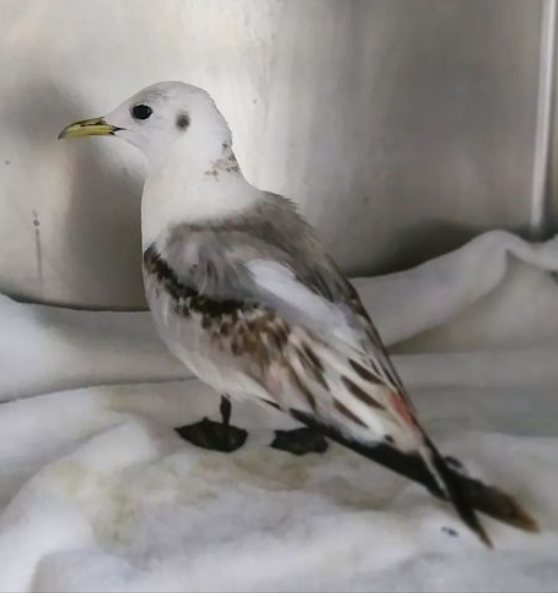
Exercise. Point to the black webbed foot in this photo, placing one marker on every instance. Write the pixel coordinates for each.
(299, 441)
(214, 436)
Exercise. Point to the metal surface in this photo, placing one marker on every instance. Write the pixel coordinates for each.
(540, 198)
(551, 177)
(402, 127)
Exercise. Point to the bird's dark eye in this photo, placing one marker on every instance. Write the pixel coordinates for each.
(141, 112)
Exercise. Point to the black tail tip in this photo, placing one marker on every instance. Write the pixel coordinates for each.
(499, 505)
(482, 534)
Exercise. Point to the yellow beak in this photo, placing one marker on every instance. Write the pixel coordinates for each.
(88, 128)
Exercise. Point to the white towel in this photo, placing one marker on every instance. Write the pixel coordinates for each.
(98, 493)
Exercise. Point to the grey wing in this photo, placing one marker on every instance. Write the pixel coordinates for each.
(288, 320)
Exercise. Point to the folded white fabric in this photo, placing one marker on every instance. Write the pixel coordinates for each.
(98, 493)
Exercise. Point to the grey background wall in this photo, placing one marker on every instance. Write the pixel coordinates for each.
(402, 127)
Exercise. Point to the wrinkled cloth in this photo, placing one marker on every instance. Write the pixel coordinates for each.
(99, 493)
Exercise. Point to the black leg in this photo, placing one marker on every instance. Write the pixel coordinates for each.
(225, 408)
(216, 436)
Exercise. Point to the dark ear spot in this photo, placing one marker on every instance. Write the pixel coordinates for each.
(183, 121)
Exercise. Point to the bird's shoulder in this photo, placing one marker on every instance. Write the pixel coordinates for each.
(216, 257)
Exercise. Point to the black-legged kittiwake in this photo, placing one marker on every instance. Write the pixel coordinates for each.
(243, 292)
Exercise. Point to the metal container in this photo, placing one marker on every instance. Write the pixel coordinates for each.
(401, 127)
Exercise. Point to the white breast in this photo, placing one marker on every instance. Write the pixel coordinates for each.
(193, 345)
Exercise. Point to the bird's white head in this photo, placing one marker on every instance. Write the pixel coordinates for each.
(158, 117)
(192, 173)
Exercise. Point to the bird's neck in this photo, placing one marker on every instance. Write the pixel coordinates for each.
(189, 187)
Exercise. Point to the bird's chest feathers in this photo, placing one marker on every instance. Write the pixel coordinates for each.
(196, 328)
(181, 315)
(166, 204)
(172, 197)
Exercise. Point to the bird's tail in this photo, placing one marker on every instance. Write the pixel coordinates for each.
(444, 477)
(469, 495)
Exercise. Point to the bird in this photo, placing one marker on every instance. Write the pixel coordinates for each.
(244, 293)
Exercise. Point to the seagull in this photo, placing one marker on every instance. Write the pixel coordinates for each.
(242, 291)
